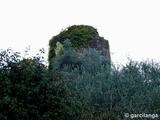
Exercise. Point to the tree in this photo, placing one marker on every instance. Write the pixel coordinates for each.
(29, 91)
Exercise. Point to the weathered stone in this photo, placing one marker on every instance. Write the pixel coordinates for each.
(98, 43)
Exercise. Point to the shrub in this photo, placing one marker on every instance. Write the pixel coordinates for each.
(110, 92)
(67, 57)
(86, 88)
(30, 91)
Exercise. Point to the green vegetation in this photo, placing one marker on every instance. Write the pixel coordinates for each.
(76, 89)
(29, 91)
(109, 92)
(78, 35)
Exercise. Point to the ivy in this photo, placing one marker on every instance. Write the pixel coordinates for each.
(78, 35)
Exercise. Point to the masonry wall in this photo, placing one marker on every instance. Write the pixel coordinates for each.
(98, 43)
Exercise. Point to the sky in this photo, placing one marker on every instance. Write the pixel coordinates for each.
(131, 27)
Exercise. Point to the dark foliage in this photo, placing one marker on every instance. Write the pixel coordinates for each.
(89, 88)
(29, 91)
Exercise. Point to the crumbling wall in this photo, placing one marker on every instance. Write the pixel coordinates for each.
(98, 43)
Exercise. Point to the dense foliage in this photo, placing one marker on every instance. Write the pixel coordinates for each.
(78, 35)
(76, 89)
(111, 92)
(29, 91)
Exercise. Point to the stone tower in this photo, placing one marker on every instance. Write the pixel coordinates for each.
(98, 43)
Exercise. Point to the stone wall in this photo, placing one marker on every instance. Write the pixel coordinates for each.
(98, 43)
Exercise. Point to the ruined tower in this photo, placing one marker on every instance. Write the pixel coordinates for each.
(81, 36)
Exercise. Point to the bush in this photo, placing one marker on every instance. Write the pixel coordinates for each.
(110, 92)
(75, 89)
(67, 57)
(30, 91)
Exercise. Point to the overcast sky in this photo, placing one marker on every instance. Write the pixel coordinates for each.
(132, 27)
